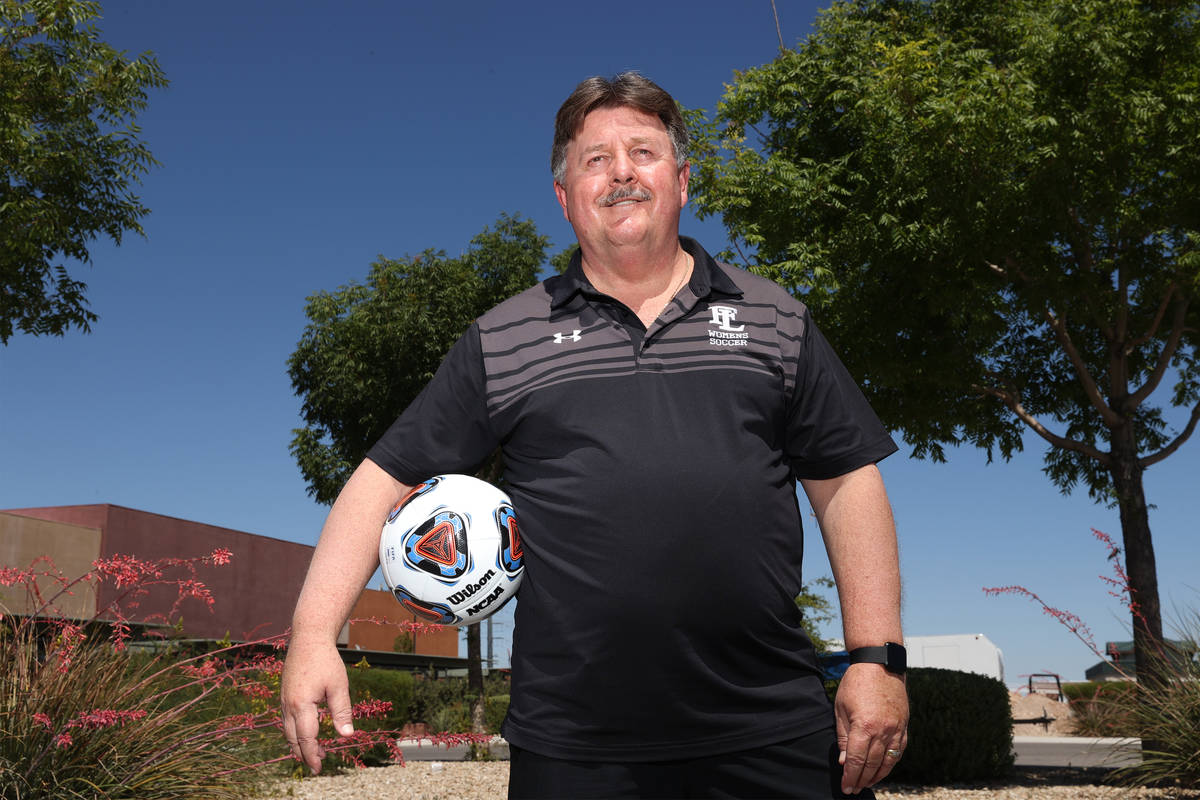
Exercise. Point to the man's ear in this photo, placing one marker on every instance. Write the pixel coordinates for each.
(560, 192)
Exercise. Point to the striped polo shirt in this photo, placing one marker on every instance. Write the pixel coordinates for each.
(652, 471)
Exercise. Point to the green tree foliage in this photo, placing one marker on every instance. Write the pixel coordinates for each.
(817, 611)
(69, 155)
(370, 348)
(993, 207)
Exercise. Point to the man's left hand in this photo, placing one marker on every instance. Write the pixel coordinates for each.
(872, 724)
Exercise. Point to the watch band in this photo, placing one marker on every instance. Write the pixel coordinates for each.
(892, 656)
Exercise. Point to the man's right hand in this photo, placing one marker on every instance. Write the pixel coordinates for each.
(313, 675)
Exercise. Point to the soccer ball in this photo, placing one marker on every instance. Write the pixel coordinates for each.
(451, 551)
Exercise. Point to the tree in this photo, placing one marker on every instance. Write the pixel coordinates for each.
(369, 349)
(993, 207)
(817, 611)
(69, 155)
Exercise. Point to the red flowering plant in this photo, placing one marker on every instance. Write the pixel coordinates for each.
(87, 709)
(1164, 713)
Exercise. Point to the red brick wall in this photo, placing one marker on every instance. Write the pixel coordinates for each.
(253, 595)
(382, 605)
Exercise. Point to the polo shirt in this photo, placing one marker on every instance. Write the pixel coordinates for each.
(653, 474)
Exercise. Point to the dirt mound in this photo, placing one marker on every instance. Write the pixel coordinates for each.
(1039, 706)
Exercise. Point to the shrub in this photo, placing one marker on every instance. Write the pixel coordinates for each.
(1167, 715)
(83, 715)
(1102, 709)
(392, 686)
(444, 704)
(1164, 712)
(497, 707)
(1080, 690)
(960, 728)
(86, 712)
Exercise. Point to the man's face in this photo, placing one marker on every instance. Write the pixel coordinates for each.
(622, 187)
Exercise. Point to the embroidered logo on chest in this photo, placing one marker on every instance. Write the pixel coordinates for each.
(722, 332)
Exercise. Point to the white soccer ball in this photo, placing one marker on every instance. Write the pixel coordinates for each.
(451, 552)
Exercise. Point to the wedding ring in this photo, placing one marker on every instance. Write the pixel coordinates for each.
(892, 753)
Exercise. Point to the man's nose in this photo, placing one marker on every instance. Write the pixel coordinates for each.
(622, 169)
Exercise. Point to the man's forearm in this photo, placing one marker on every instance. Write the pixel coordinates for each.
(346, 555)
(860, 538)
(871, 708)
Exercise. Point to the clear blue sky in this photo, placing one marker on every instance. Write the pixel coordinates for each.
(299, 140)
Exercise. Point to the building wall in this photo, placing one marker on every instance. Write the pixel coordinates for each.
(70, 550)
(253, 595)
(374, 604)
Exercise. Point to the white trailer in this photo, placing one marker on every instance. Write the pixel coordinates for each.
(965, 652)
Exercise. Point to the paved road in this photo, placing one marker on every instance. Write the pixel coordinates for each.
(1032, 751)
(415, 750)
(1054, 751)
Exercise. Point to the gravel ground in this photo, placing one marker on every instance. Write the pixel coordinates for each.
(464, 780)
(488, 780)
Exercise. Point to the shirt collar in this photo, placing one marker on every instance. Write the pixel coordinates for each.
(707, 277)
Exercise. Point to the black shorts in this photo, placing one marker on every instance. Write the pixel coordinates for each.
(805, 768)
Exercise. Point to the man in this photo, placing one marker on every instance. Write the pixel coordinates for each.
(655, 409)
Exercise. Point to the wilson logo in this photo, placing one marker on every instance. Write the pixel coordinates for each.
(470, 589)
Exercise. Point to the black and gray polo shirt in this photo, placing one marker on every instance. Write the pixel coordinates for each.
(653, 476)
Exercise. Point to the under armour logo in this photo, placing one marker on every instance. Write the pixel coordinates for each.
(722, 317)
(574, 336)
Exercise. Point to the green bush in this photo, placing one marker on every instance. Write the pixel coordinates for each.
(960, 728)
(1080, 690)
(444, 704)
(393, 686)
(1103, 708)
(1166, 714)
(497, 707)
(372, 683)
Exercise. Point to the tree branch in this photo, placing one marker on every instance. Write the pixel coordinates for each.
(1011, 269)
(1063, 443)
(1122, 304)
(1086, 259)
(1176, 442)
(1158, 318)
(738, 247)
(1090, 388)
(1164, 358)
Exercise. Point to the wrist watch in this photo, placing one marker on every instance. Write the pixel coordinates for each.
(893, 657)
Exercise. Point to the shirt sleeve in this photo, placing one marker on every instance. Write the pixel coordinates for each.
(832, 429)
(446, 429)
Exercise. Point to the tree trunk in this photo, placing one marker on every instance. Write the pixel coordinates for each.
(1140, 566)
(475, 678)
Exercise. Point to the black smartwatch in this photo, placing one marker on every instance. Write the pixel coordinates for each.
(893, 657)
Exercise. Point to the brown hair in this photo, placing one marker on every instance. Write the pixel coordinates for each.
(626, 89)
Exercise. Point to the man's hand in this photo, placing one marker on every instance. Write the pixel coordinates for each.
(313, 674)
(872, 718)
(346, 555)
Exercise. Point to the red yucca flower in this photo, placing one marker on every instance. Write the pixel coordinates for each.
(1072, 622)
(153, 694)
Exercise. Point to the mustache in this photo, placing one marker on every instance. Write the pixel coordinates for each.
(624, 193)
